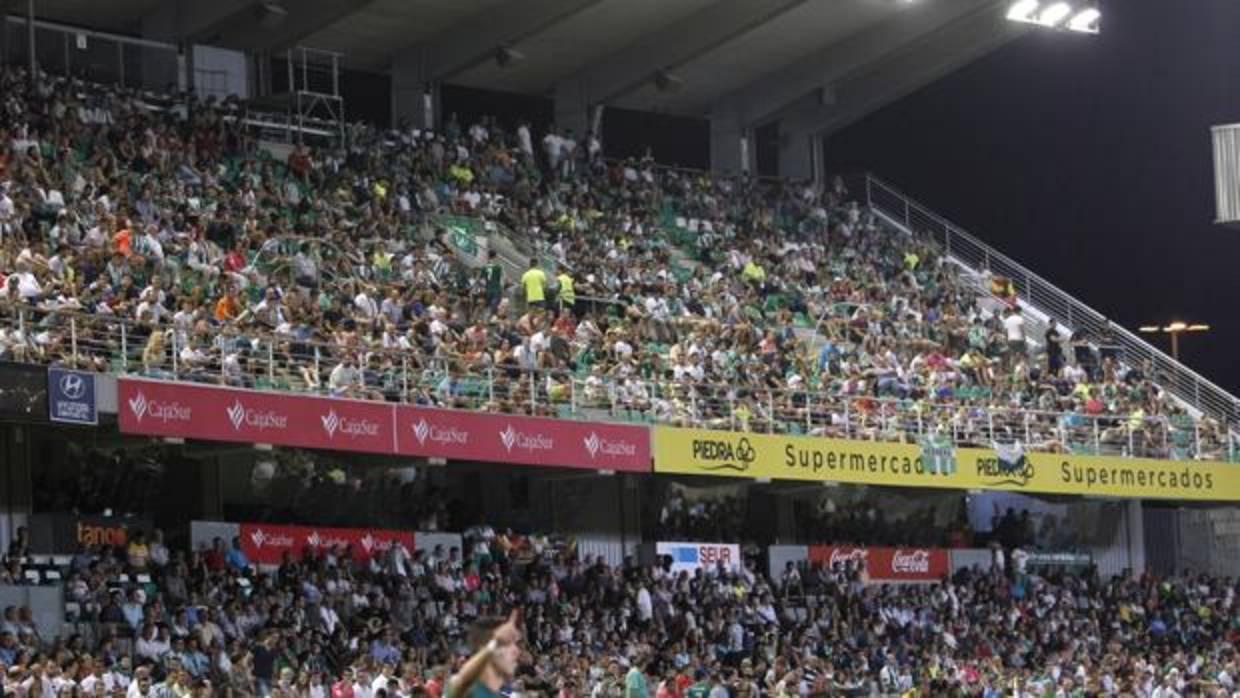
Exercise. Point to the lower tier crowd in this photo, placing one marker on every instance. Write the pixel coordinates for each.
(208, 622)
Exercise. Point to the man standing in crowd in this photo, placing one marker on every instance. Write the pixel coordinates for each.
(534, 280)
(493, 278)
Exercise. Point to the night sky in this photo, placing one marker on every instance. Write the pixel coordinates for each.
(1088, 159)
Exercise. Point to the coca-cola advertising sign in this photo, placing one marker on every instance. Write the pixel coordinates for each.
(186, 410)
(484, 436)
(265, 544)
(212, 413)
(884, 564)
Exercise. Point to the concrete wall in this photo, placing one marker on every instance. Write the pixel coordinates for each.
(46, 604)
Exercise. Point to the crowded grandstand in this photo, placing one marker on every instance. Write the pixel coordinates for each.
(744, 436)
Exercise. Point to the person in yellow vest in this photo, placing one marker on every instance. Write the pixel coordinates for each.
(566, 295)
(535, 282)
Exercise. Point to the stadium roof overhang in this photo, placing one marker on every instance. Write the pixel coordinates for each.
(828, 61)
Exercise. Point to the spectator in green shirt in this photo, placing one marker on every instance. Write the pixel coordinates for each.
(493, 277)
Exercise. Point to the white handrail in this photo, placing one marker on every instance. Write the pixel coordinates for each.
(1175, 377)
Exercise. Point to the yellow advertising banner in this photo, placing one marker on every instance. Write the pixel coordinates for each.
(778, 457)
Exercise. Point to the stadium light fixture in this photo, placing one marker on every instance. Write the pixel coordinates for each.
(1022, 10)
(1053, 15)
(1175, 329)
(1086, 20)
(1081, 16)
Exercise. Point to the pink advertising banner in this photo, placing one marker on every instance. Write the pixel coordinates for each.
(212, 413)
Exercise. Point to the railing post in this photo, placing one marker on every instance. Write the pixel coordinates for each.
(124, 348)
(73, 338)
(1128, 426)
(271, 362)
(1027, 439)
(175, 354)
(882, 406)
(317, 358)
(404, 379)
(572, 396)
(847, 419)
(533, 394)
(770, 421)
(491, 385)
(1097, 439)
(990, 424)
(809, 398)
(732, 410)
(1197, 439)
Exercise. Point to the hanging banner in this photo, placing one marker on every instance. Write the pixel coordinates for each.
(186, 410)
(266, 544)
(212, 413)
(778, 457)
(71, 396)
(687, 557)
(501, 438)
(883, 564)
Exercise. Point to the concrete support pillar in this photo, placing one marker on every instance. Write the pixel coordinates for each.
(730, 143)
(413, 92)
(572, 108)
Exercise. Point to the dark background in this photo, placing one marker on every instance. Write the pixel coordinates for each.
(1088, 159)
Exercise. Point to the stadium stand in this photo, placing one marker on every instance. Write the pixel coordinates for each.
(193, 622)
(479, 268)
(153, 237)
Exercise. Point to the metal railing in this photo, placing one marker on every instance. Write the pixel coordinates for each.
(263, 360)
(1175, 377)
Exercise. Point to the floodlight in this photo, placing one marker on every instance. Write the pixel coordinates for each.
(1086, 20)
(1022, 10)
(1053, 15)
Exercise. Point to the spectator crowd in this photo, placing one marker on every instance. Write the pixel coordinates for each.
(151, 234)
(151, 621)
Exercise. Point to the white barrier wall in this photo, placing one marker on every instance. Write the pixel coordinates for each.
(47, 606)
(778, 557)
(609, 547)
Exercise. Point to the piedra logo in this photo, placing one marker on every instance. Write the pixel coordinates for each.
(1009, 467)
(723, 454)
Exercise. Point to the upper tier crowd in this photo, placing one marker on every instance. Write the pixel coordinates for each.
(687, 298)
(209, 623)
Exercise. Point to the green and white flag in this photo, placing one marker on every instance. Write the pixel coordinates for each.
(938, 454)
